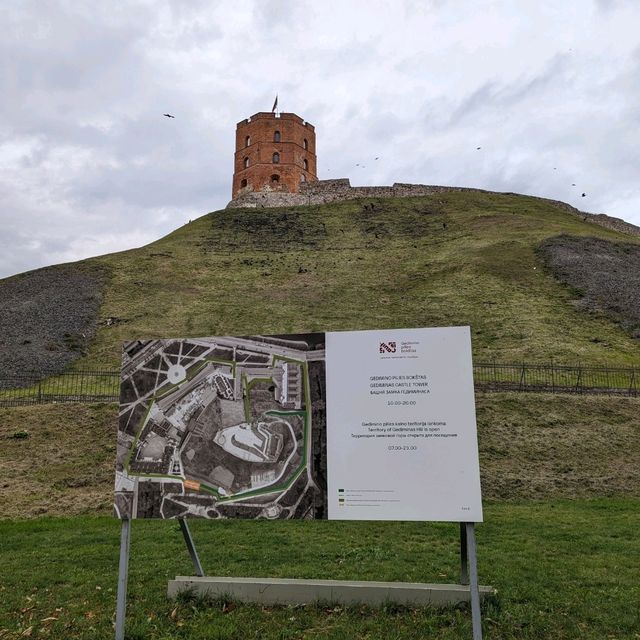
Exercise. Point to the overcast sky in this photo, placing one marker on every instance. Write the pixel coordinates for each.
(549, 90)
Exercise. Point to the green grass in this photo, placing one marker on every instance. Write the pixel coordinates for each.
(336, 266)
(562, 570)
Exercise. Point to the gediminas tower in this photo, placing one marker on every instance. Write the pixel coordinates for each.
(274, 152)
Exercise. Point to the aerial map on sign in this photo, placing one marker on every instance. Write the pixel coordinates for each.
(222, 427)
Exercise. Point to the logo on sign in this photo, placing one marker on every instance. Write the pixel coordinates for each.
(387, 347)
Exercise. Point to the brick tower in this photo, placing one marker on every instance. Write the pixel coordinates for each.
(273, 153)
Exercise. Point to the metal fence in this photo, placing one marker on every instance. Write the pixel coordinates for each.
(556, 378)
(104, 386)
(71, 386)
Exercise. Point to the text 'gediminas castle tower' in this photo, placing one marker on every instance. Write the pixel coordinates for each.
(274, 152)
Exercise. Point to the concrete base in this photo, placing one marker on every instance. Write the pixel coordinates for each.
(286, 591)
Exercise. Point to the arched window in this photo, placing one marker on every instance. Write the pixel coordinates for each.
(247, 141)
(246, 162)
(306, 165)
(276, 136)
(305, 144)
(276, 158)
(243, 183)
(302, 178)
(275, 178)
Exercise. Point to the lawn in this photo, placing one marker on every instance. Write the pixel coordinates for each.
(562, 569)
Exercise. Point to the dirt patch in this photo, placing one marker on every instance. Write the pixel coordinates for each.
(377, 220)
(47, 318)
(271, 230)
(605, 275)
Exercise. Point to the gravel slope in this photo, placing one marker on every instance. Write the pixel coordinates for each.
(605, 274)
(47, 318)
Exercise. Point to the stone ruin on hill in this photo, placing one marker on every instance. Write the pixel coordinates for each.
(325, 191)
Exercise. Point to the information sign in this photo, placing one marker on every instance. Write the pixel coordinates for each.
(401, 428)
(379, 426)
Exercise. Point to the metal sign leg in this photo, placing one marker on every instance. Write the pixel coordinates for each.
(191, 547)
(123, 575)
(464, 556)
(476, 619)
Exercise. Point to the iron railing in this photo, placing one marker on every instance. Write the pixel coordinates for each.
(104, 386)
(557, 378)
(70, 386)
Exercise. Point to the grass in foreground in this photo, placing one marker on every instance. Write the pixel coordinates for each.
(562, 570)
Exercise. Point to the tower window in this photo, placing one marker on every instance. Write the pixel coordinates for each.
(305, 144)
(302, 178)
(276, 158)
(245, 162)
(306, 165)
(276, 136)
(247, 141)
(243, 183)
(275, 178)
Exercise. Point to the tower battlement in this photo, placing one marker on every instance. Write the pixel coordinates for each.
(269, 115)
(274, 153)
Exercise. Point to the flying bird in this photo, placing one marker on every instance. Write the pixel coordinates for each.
(573, 184)
(168, 115)
(584, 195)
(478, 148)
(377, 158)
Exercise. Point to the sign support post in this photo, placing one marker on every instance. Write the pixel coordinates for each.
(184, 527)
(123, 568)
(476, 620)
(464, 556)
(123, 575)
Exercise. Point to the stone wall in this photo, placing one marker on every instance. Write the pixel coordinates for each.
(324, 191)
(609, 222)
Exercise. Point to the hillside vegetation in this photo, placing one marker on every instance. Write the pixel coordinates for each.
(450, 259)
(59, 459)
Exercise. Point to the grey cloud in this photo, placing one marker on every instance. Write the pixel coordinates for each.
(494, 95)
(89, 164)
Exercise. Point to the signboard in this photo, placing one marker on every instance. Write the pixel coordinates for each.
(249, 426)
(401, 434)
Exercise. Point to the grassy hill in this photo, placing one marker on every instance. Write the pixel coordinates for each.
(450, 259)
(560, 474)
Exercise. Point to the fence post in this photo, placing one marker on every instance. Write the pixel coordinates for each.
(39, 391)
(579, 380)
(522, 374)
